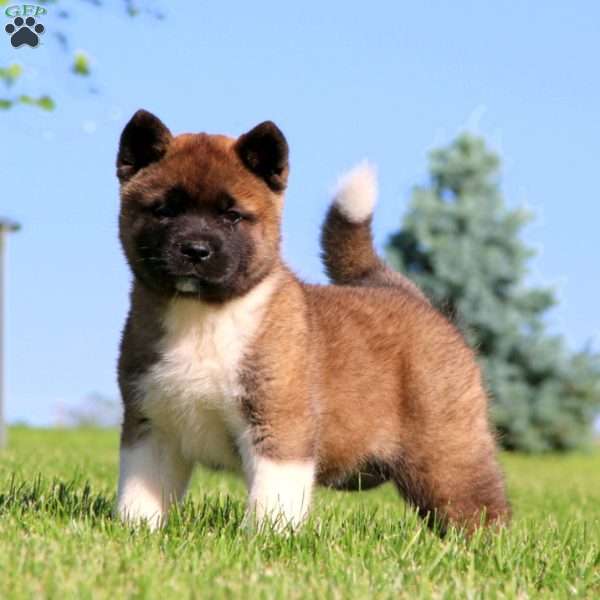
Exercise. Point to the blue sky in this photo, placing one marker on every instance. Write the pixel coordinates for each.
(388, 81)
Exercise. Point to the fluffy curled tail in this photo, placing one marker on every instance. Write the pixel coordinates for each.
(346, 240)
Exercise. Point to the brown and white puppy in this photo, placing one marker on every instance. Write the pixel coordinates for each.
(227, 359)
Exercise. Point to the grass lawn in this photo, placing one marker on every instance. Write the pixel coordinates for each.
(58, 539)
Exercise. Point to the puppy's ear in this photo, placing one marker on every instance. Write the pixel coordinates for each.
(264, 150)
(144, 140)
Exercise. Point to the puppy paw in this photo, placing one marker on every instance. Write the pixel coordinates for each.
(139, 516)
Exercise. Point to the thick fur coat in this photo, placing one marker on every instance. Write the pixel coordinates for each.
(229, 360)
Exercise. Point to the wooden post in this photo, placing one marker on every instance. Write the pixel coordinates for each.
(5, 228)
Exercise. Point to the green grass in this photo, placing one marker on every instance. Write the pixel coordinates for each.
(58, 538)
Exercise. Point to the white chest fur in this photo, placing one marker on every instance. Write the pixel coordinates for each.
(193, 392)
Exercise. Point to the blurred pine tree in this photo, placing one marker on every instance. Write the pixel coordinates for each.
(461, 245)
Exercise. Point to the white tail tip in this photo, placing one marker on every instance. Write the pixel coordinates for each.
(357, 192)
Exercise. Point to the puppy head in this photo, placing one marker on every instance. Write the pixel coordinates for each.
(200, 214)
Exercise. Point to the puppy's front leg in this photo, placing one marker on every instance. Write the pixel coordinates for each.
(279, 443)
(153, 475)
(280, 491)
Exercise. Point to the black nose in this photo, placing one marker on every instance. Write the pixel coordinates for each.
(197, 251)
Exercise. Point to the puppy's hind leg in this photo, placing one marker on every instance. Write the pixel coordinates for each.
(454, 485)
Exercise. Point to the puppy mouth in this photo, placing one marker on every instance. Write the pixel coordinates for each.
(195, 284)
(187, 285)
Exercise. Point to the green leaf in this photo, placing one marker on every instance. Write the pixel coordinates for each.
(81, 64)
(46, 103)
(43, 102)
(11, 73)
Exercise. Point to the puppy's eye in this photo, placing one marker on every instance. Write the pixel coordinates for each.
(232, 217)
(165, 210)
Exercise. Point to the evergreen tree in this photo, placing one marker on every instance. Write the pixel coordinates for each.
(461, 245)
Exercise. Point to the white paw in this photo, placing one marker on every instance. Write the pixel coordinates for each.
(136, 514)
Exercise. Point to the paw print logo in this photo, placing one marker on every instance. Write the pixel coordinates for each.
(24, 32)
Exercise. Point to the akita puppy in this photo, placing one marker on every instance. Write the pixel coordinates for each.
(229, 360)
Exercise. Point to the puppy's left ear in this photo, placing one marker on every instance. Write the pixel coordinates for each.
(264, 150)
(144, 141)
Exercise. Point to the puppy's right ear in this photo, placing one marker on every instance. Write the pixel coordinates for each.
(144, 140)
